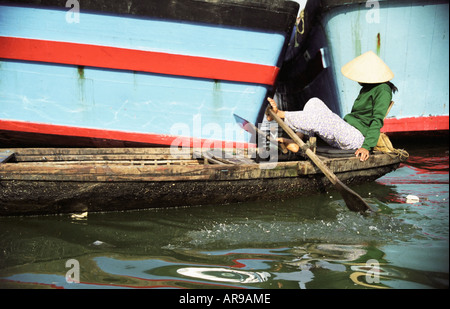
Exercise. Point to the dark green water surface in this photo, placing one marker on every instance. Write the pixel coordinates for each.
(307, 243)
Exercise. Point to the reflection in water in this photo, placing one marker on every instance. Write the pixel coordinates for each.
(223, 274)
(313, 242)
(261, 268)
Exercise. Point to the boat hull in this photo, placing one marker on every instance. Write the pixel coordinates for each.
(49, 181)
(411, 36)
(152, 74)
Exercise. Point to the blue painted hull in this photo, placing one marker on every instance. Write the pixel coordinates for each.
(412, 37)
(67, 104)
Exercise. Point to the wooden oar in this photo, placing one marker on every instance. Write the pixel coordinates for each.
(252, 129)
(352, 199)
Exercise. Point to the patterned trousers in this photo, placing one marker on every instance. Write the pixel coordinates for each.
(316, 119)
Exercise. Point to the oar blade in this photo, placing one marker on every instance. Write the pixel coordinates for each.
(245, 124)
(352, 199)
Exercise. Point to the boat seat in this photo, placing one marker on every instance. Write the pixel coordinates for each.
(331, 152)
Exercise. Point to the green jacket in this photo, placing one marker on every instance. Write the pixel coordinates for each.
(368, 112)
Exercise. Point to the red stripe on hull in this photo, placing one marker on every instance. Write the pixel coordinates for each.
(135, 60)
(416, 124)
(108, 137)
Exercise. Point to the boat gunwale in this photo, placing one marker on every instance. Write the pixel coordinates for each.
(177, 170)
(220, 13)
(331, 4)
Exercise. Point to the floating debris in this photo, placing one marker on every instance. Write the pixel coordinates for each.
(411, 199)
(79, 216)
(101, 244)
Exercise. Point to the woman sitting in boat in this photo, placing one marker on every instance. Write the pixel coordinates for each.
(358, 130)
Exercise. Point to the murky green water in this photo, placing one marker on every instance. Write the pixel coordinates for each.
(307, 243)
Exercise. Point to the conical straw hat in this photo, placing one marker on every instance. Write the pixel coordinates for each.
(367, 68)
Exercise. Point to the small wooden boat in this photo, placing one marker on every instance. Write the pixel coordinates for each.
(36, 181)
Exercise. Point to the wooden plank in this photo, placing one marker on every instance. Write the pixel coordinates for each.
(354, 163)
(228, 157)
(117, 172)
(103, 157)
(99, 151)
(90, 154)
(130, 151)
(120, 162)
(208, 159)
(218, 157)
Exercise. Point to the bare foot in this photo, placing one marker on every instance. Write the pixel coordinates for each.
(290, 144)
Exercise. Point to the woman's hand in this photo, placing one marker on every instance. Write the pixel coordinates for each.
(273, 104)
(275, 109)
(363, 153)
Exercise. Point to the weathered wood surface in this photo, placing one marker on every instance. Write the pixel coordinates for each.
(139, 171)
(34, 184)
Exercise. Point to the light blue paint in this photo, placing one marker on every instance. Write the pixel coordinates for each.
(132, 101)
(414, 42)
(142, 34)
(124, 101)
